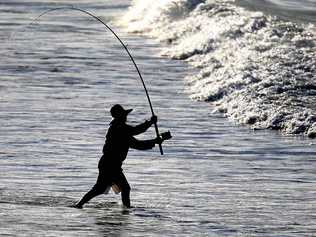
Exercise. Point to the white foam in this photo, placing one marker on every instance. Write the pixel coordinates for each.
(256, 69)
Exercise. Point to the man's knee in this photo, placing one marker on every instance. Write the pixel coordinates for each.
(122, 182)
(97, 189)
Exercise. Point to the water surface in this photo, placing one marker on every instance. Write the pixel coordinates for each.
(303, 11)
(58, 81)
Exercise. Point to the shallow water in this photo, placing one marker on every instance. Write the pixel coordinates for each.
(216, 179)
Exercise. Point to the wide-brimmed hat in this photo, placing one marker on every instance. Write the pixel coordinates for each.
(117, 111)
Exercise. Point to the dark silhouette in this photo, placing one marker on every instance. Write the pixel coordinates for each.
(119, 138)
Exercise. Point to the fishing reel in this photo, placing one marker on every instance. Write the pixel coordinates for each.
(165, 135)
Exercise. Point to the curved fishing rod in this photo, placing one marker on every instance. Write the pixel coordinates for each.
(121, 42)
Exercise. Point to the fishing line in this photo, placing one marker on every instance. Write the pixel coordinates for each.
(121, 42)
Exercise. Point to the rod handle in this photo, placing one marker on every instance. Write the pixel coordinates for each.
(158, 135)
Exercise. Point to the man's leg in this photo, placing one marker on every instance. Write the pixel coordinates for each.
(89, 195)
(125, 198)
(97, 189)
(121, 181)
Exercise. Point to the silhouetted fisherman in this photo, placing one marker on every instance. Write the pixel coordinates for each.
(119, 138)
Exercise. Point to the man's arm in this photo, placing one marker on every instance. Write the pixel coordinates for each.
(141, 128)
(148, 144)
(142, 144)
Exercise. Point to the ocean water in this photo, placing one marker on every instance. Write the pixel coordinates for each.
(292, 10)
(255, 67)
(59, 78)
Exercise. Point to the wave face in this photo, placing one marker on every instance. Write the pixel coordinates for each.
(257, 69)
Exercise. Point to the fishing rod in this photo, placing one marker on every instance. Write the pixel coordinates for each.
(126, 49)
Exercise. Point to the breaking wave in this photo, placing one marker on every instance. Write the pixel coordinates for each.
(257, 69)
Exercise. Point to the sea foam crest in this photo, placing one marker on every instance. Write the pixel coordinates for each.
(257, 69)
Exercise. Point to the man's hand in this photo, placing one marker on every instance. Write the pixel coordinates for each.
(163, 136)
(166, 136)
(158, 140)
(153, 119)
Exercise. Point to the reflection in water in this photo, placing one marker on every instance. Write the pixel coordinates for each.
(112, 219)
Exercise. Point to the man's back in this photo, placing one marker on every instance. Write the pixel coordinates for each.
(116, 144)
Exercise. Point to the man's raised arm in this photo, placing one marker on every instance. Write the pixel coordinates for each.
(141, 128)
